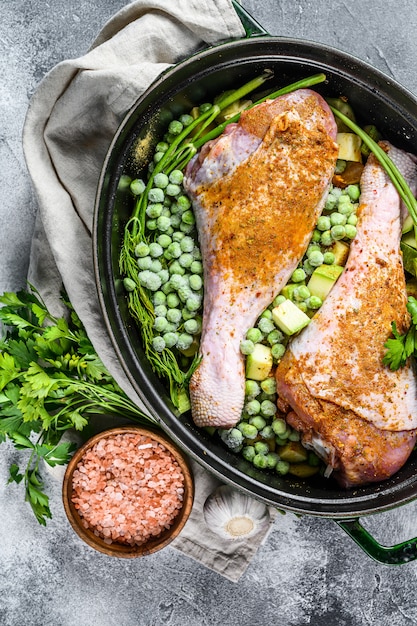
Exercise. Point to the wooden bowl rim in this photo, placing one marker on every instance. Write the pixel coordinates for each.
(119, 549)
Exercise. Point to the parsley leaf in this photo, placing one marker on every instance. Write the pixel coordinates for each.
(51, 379)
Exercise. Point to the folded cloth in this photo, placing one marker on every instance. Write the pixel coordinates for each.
(70, 123)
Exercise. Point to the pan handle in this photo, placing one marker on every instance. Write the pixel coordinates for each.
(251, 26)
(398, 554)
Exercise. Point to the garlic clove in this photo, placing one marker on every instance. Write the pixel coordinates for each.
(233, 515)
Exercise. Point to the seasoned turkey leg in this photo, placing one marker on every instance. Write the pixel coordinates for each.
(257, 192)
(357, 413)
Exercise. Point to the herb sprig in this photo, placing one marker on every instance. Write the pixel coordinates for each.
(402, 346)
(51, 380)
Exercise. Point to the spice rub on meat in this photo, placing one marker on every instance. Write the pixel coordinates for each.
(257, 192)
(359, 415)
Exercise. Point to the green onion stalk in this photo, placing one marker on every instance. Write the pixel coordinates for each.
(389, 166)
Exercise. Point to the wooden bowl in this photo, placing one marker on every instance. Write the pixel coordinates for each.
(119, 549)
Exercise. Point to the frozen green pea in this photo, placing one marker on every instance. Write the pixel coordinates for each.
(144, 263)
(261, 447)
(248, 453)
(163, 275)
(267, 314)
(193, 302)
(170, 339)
(352, 220)
(158, 344)
(164, 240)
(185, 259)
(151, 225)
(129, 284)
(186, 228)
(159, 298)
(137, 186)
(205, 107)
(279, 426)
(282, 467)
(260, 461)
(279, 300)
(172, 300)
(314, 302)
(253, 407)
(183, 203)
(252, 388)
(315, 237)
(160, 324)
(298, 275)
(192, 326)
(173, 190)
(278, 351)
(178, 236)
(184, 341)
(294, 435)
(266, 432)
(354, 192)
(162, 146)
(302, 292)
(187, 244)
(188, 217)
(254, 334)
(275, 336)
(175, 221)
(163, 223)
(196, 267)
(328, 258)
(338, 232)
(176, 177)
(331, 202)
(150, 280)
(272, 459)
(307, 267)
(248, 430)
(197, 253)
(186, 119)
(266, 325)
(142, 249)
(174, 316)
(157, 157)
(155, 250)
(175, 127)
(188, 315)
(269, 386)
(323, 223)
(302, 306)
(174, 250)
(350, 231)
(156, 195)
(246, 346)
(195, 282)
(160, 180)
(156, 266)
(315, 258)
(258, 422)
(337, 218)
(160, 310)
(268, 408)
(175, 268)
(326, 238)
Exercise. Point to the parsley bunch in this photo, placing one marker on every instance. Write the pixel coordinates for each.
(51, 380)
(401, 347)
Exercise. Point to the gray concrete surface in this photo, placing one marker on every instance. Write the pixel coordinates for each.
(308, 571)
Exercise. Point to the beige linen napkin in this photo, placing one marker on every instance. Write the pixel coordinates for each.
(70, 124)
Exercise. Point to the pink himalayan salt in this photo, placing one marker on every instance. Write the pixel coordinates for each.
(127, 489)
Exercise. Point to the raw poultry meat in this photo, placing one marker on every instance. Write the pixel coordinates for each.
(357, 413)
(257, 192)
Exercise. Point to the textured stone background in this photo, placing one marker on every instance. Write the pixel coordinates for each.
(308, 571)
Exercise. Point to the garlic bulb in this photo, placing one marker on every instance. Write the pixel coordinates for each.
(233, 515)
